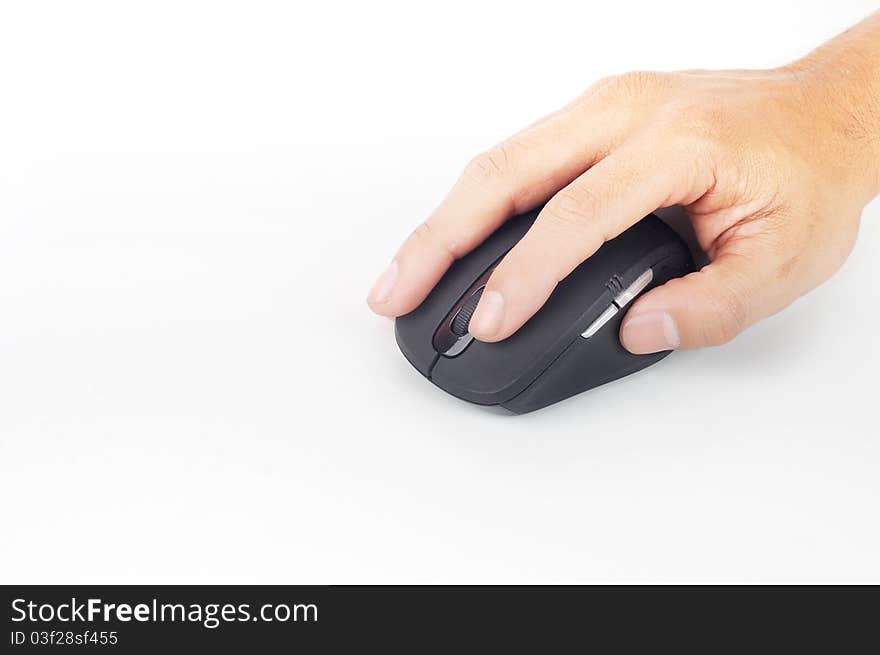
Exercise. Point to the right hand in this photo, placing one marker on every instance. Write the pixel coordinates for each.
(773, 168)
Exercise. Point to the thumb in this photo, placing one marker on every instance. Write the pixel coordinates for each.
(706, 308)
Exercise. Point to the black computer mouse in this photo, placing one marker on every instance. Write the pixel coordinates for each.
(570, 345)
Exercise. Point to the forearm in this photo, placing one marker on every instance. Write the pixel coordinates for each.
(842, 80)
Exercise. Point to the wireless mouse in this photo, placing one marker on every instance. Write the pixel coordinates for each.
(570, 345)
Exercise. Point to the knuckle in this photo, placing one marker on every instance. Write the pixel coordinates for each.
(602, 85)
(700, 120)
(423, 234)
(427, 235)
(637, 82)
(572, 208)
(491, 166)
(629, 93)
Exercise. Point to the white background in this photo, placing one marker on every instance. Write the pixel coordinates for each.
(194, 201)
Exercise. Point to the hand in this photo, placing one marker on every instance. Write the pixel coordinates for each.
(773, 167)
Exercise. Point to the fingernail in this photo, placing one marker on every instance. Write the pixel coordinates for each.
(381, 291)
(649, 332)
(487, 319)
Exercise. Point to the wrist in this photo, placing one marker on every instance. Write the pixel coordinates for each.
(840, 87)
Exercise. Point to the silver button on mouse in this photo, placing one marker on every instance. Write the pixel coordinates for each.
(622, 300)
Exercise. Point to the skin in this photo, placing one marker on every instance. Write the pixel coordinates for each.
(773, 168)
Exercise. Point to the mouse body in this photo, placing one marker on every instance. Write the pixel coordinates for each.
(570, 345)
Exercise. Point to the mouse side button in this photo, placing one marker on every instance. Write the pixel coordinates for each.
(620, 301)
(627, 295)
(597, 325)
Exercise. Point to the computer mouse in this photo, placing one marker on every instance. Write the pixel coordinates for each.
(569, 346)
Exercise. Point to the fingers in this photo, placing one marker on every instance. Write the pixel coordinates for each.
(511, 178)
(621, 189)
(707, 308)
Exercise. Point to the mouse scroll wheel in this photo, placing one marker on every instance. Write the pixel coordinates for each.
(462, 319)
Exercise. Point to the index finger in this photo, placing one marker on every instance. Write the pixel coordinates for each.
(510, 178)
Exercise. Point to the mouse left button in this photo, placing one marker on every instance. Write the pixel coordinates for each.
(417, 350)
(418, 334)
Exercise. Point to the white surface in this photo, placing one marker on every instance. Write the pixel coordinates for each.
(194, 200)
